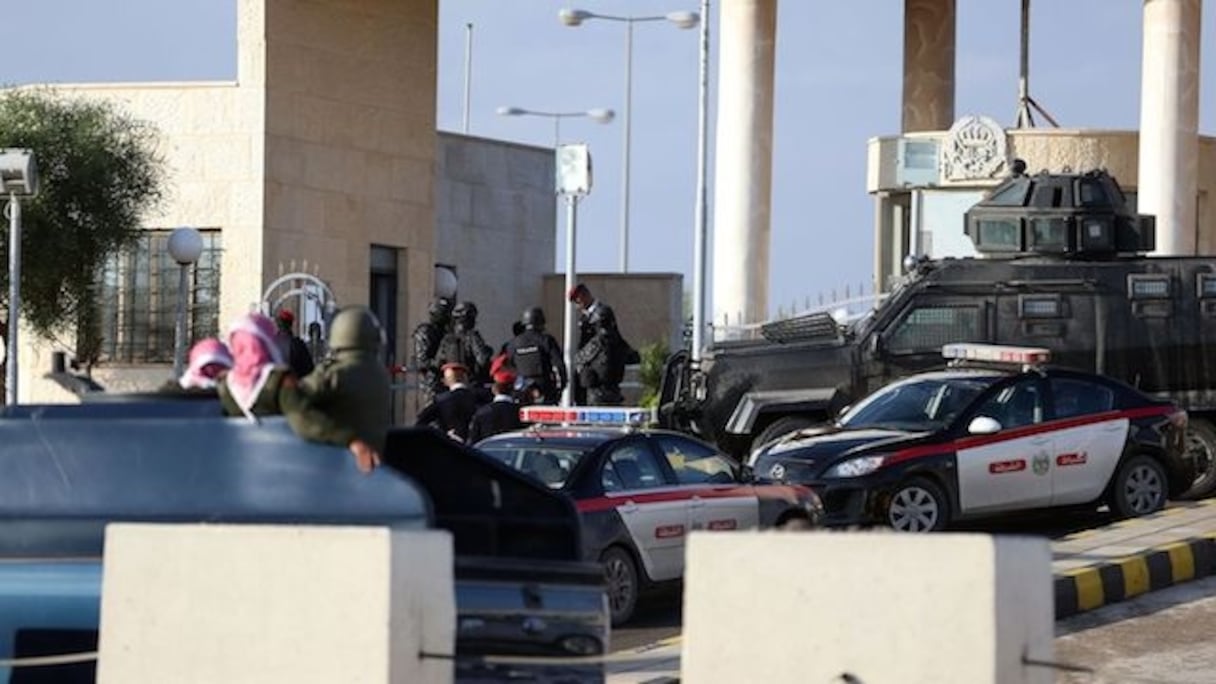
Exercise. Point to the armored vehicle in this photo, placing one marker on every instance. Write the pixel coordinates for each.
(1062, 265)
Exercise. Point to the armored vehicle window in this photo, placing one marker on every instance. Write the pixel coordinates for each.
(632, 466)
(1091, 193)
(1000, 234)
(1049, 234)
(694, 463)
(927, 328)
(1015, 406)
(1012, 195)
(1071, 398)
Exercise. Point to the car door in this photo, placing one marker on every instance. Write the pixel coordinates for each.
(1088, 442)
(653, 508)
(1010, 469)
(718, 500)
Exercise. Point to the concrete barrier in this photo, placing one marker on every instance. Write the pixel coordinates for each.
(866, 608)
(269, 604)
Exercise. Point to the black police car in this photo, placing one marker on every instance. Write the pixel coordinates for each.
(641, 492)
(996, 432)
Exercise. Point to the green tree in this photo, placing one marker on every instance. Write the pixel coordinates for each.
(650, 372)
(100, 174)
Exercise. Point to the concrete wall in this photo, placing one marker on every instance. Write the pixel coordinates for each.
(495, 223)
(648, 306)
(350, 142)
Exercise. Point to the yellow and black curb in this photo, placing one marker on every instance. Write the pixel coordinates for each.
(1094, 586)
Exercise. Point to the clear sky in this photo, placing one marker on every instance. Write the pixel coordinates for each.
(838, 83)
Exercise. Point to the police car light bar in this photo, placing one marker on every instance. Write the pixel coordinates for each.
(606, 416)
(995, 353)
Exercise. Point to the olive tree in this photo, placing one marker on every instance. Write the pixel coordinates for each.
(100, 174)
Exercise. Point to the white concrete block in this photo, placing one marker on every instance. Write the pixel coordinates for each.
(267, 604)
(883, 608)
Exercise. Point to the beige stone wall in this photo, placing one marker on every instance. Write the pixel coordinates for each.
(350, 142)
(210, 139)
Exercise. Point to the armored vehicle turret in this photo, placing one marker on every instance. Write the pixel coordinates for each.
(1062, 265)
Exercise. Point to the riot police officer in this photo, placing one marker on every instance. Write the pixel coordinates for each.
(602, 352)
(427, 337)
(537, 358)
(464, 345)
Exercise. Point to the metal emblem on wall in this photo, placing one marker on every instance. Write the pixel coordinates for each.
(974, 149)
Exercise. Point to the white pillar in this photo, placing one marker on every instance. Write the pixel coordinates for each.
(743, 169)
(1169, 122)
(928, 94)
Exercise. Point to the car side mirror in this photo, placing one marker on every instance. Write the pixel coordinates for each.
(983, 425)
(876, 347)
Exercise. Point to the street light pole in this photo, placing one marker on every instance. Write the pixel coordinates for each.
(701, 230)
(185, 246)
(625, 153)
(14, 298)
(568, 340)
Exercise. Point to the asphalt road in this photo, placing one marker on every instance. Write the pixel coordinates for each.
(658, 616)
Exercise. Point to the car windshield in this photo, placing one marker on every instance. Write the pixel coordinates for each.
(549, 463)
(919, 404)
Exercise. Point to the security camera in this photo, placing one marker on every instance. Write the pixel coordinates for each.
(18, 172)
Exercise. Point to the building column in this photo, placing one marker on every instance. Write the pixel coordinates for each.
(928, 96)
(743, 169)
(1169, 122)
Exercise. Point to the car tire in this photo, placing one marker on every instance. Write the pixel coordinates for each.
(795, 523)
(621, 583)
(1201, 445)
(917, 505)
(782, 427)
(1140, 487)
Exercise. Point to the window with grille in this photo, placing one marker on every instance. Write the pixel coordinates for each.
(928, 328)
(139, 290)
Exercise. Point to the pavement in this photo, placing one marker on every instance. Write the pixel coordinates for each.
(1092, 568)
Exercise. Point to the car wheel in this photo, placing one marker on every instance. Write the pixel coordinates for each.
(794, 523)
(621, 584)
(1139, 487)
(918, 505)
(782, 427)
(1201, 446)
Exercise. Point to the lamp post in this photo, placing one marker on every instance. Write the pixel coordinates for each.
(597, 115)
(682, 20)
(18, 179)
(185, 246)
(701, 213)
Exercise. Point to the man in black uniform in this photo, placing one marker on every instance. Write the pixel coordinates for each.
(452, 411)
(465, 346)
(498, 416)
(294, 349)
(427, 337)
(537, 358)
(600, 361)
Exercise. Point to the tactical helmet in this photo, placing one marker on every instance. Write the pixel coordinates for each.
(356, 327)
(440, 309)
(533, 318)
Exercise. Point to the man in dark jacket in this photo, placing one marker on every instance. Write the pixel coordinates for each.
(600, 361)
(498, 416)
(295, 350)
(346, 400)
(452, 411)
(427, 337)
(537, 358)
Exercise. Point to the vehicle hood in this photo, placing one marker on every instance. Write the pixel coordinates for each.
(805, 454)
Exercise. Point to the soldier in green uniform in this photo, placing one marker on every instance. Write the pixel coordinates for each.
(346, 399)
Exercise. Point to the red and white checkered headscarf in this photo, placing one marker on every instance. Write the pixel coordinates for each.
(251, 339)
(206, 357)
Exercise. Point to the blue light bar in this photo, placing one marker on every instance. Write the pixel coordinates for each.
(603, 416)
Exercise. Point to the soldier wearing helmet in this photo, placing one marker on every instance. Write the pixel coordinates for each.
(347, 399)
(427, 337)
(464, 345)
(537, 358)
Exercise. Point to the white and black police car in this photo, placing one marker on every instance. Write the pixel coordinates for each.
(641, 491)
(997, 431)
